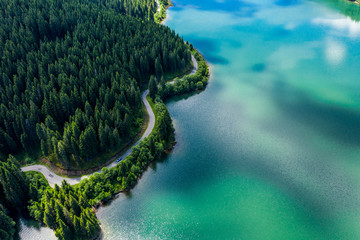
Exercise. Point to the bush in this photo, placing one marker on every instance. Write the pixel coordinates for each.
(199, 85)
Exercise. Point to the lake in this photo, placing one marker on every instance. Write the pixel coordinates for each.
(270, 150)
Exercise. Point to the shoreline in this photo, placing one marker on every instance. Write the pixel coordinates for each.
(159, 118)
(53, 178)
(78, 195)
(171, 145)
(169, 5)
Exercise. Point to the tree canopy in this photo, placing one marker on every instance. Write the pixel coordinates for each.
(71, 74)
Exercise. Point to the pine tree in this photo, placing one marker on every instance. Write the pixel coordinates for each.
(77, 226)
(158, 68)
(63, 232)
(7, 225)
(115, 140)
(88, 142)
(153, 89)
(49, 218)
(74, 206)
(13, 184)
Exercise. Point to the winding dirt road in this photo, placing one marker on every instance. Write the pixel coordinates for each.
(56, 179)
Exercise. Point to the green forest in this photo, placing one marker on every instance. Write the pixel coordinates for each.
(71, 77)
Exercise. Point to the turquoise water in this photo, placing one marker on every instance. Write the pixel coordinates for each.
(270, 150)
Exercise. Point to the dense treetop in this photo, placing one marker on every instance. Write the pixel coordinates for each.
(7, 224)
(71, 73)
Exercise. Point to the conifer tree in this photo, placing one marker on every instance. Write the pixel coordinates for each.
(88, 142)
(63, 232)
(49, 218)
(14, 185)
(153, 89)
(7, 225)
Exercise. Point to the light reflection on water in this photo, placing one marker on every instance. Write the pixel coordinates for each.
(270, 149)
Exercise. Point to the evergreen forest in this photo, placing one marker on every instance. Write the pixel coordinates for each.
(72, 71)
(71, 77)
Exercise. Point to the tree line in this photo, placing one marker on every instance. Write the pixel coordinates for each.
(183, 85)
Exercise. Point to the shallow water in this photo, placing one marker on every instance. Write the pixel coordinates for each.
(270, 150)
